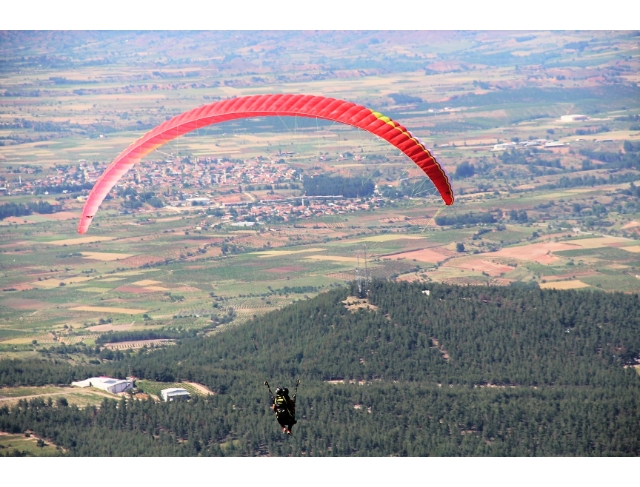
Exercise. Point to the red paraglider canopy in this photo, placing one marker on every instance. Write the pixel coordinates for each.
(260, 106)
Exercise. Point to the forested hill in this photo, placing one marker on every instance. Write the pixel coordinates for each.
(457, 371)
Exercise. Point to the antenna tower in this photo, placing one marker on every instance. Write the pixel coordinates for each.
(362, 276)
(358, 274)
(366, 271)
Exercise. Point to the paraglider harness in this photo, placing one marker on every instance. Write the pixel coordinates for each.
(285, 414)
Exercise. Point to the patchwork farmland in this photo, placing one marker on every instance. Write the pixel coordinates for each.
(217, 226)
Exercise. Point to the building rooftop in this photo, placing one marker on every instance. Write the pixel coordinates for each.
(174, 390)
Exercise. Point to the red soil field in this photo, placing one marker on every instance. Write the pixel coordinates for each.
(23, 303)
(481, 265)
(539, 252)
(424, 255)
(233, 198)
(271, 197)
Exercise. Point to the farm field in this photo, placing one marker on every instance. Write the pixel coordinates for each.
(46, 297)
(563, 211)
(81, 397)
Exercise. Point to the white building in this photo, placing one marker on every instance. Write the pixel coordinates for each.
(554, 143)
(504, 146)
(573, 118)
(245, 224)
(199, 201)
(174, 394)
(106, 384)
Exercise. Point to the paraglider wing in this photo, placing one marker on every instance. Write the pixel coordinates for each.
(263, 106)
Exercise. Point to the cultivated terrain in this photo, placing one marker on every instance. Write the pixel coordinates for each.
(538, 131)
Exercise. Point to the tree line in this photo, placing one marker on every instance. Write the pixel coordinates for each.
(20, 209)
(127, 336)
(630, 159)
(465, 219)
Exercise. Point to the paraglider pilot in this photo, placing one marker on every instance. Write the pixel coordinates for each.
(284, 407)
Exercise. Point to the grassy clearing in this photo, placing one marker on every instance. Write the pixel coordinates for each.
(598, 242)
(10, 392)
(506, 236)
(281, 253)
(520, 273)
(604, 253)
(448, 236)
(10, 443)
(9, 334)
(616, 282)
(544, 270)
(77, 241)
(94, 289)
(9, 396)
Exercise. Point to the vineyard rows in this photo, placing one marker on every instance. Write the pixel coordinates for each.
(72, 340)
